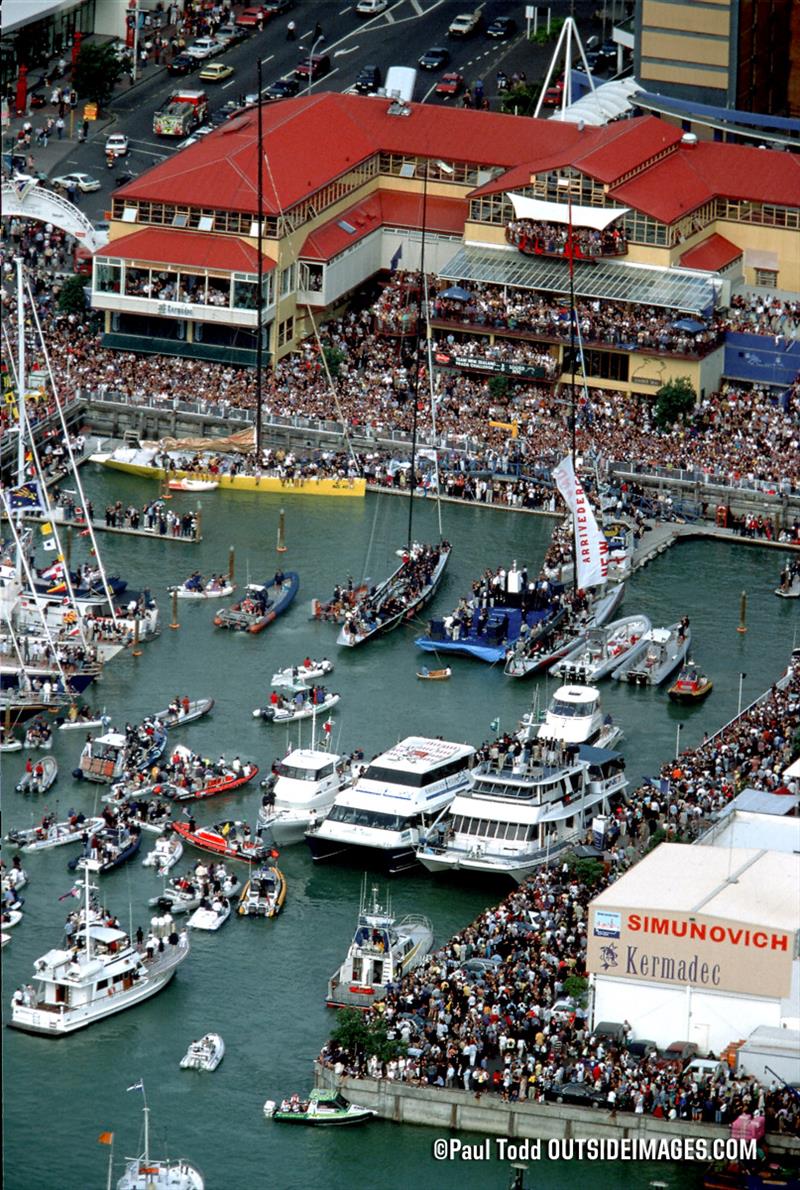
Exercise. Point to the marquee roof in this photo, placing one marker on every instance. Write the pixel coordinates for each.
(738, 884)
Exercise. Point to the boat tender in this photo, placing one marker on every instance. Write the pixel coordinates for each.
(205, 1054)
(321, 1109)
(261, 605)
(657, 655)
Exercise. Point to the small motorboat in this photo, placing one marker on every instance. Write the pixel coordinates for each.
(601, 650)
(183, 894)
(39, 735)
(112, 846)
(196, 587)
(14, 878)
(690, 685)
(9, 742)
(167, 851)
(790, 582)
(205, 1054)
(51, 834)
(264, 893)
(4, 940)
(296, 677)
(261, 605)
(213, 784)
(434, 675)
(193, 485)
(10, 918)
(84, 719)
(210, 914)
(320, 1109)
(39, 777)
(233, 840)
(656, 656)
(184, 711)
(291, 710)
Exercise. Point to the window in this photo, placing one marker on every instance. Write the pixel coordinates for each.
(311, 277)
(107, 277)
(608, 365)
(245, 292)
(288, 280)
(285, 332)
(767, 277)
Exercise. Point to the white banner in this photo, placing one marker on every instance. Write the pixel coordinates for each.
(591, 547)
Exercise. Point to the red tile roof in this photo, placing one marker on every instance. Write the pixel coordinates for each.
(626, 146)
(713, 253)
(192, 249)
(302, 154)
(739, 171)
(389, 208)
(667, 191)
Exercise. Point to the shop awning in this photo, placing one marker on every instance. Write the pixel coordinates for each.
(559, 212)
(605, 280)
(187, 249)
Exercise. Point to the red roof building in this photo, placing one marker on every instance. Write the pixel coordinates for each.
(340, 208)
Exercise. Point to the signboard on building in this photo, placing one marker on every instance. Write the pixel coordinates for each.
(477, 363)
(690, 951)
(176, 309)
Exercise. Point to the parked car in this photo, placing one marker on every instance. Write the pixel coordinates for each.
(677, 1054)
(703, 1068)
(642, 1048)
(117, 144)
(552, 96)
(231, 34)
(563, 1011)
(274, 8)
(465, 24)
(122, 179)
(215, 72)
(248, 18)
(371, 8)
(281, 89)
(450, 84)
(612, 1030)
(204, 47)
(315, 67)
(578, 1094)
(369, 79)
(182, 64)
(501, 28)
(82, 182)
(434, 59)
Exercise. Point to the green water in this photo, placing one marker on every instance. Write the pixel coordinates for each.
(262, 984)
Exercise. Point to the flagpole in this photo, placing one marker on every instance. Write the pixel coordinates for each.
(20, 373)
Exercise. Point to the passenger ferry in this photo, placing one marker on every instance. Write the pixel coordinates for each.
(526, 806)
(380, 819)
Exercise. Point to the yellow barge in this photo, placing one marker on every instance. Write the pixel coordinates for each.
(272, 484)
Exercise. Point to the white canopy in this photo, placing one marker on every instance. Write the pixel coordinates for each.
(558, 212)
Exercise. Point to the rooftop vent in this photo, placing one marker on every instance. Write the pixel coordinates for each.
(398, 108)
(688, 138)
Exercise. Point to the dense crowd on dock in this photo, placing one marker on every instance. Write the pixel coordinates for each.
(479, 1013)
(736, 437)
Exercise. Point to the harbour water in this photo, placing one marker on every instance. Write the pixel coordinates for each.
(261, 984)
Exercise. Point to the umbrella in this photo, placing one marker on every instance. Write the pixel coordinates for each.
(456, 293)
(689, 324)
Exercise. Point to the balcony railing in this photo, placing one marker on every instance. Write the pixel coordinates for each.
(194, 311)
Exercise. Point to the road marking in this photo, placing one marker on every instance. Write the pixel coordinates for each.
(429, 92)
(341, 53)
(267, 59)
(342, 11)
(230, 84)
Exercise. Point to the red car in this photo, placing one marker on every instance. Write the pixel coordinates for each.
(450, 84)
(248, 18)
(317, 66)
(552, 96)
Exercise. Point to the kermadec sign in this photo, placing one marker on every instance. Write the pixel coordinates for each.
(696, 951)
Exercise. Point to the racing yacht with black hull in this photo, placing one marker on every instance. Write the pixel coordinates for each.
(380, 819)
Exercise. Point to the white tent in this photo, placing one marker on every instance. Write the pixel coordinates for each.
(558, 212)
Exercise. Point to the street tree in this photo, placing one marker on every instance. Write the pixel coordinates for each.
(96, 73)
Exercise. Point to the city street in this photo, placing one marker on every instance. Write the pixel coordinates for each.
(396, 37)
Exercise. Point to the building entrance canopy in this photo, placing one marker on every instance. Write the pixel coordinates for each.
(611, 282)
(598, 218)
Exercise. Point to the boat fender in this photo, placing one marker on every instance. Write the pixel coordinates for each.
(77, 774)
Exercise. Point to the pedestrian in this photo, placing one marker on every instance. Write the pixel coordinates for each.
(291, 31)
(60, 128)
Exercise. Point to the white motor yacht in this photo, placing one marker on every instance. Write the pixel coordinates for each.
(574, 716)
(103, 973)
(308, 780)
(382, 816)
(527, 805)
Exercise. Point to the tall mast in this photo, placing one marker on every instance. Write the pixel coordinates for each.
(260, 272)
(21, 373)
(415, 412)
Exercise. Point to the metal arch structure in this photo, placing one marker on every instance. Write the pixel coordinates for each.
(34, 202)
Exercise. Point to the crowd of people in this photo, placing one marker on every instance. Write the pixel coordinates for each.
(557, 239)
(479, 1013)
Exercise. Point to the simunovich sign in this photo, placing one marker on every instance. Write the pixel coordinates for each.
(696, 951)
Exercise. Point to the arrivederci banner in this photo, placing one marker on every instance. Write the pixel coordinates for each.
(591, 546)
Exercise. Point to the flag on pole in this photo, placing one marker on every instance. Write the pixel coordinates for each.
(591, 546)
(73, 892)
(137, 1086)
(54, 570)
(45, 528)
(26, 495)
(327, 726)
(57, 588)
(49, 543)
(106, 1138)
(395, 261)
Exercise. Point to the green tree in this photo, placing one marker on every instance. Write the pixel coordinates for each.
(542, 36)
(96, 72)
(673, 401)
(520, 100)
(72, 299)
(334, 357)
(379, 1044)
(351, 1030)
(588, 871)
(577, 988)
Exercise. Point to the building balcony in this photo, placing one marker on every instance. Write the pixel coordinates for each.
(191, 311)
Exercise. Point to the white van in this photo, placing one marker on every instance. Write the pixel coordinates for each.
(400, 83)
(703, 1068)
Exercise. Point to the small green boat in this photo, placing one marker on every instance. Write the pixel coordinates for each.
(321, 1108)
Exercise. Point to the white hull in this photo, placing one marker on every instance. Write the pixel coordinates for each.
(85, 724)
(300, 675)
(207, 919)
(283, 716)
(59, 838)
(205, 1054)
(55, 1024)
(216, 593)
(289, 827)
